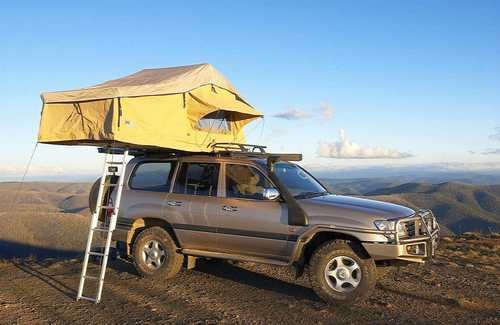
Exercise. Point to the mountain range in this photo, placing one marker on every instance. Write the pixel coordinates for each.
(459, 207)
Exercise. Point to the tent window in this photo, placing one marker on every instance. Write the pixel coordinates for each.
(217, 121)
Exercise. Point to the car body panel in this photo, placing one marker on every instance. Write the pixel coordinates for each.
(345, 211)
(253, 227)
(194, 220)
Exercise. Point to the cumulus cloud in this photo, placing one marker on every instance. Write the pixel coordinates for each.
(292, 114)
(346, 149)
(492, 152)
(496, 135)
(327, 110)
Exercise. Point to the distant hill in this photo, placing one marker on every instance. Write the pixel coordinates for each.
(43, 214)
(363, 185)
(459, 207)
(359, 186)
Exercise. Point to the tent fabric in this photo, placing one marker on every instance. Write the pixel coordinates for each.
(158, 108)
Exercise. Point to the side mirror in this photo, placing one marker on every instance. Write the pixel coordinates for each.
(271, 194)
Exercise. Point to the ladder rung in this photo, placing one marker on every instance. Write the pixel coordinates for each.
(88, 298)
(91, 277)
(106, 207)
(101, 229)
(96, 254)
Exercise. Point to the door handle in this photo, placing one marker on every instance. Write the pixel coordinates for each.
(174, 203)
(230, 208)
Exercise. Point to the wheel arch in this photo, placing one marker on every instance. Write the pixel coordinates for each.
(141, 223)
(317, 237)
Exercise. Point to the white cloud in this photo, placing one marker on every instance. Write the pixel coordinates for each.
(345, 149)
(292, 114)
(496, 135)
(491, 152)
(327, 110)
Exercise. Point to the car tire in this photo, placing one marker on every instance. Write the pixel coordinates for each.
(155, 254)
(341, 273)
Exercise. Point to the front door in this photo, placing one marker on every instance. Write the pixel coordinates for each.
(249, 224)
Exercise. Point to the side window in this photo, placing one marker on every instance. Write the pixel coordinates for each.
(245, 182)
(152, 176)
(197, 179)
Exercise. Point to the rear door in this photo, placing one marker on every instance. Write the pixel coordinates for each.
(248, 223)
(193, 204)
(146, 192)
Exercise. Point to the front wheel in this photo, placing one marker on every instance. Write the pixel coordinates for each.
(154, 254)
(340, 273)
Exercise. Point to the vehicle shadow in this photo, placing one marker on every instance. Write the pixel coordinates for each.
(224, 270)
(227, 271)
(49, 279)
(12, 249)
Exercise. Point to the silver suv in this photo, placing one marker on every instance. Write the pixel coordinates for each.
(265, 209)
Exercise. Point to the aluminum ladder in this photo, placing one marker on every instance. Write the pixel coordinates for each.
(110, 168)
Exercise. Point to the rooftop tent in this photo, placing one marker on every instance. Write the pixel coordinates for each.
(183, 108)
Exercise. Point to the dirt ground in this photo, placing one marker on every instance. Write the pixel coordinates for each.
(460, 286)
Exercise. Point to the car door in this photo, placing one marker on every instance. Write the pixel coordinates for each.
(249, 224)
(147, 190)
(193, 204)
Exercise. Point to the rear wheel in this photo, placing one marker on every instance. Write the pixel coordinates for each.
(154, 254)
(340, 273)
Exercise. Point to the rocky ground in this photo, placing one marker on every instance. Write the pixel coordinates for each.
(461, 286)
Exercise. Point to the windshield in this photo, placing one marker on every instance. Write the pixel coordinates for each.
(297, 181)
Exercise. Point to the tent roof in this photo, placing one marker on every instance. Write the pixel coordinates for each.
(147, 82)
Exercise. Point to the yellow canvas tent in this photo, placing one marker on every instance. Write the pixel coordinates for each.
(183, 108)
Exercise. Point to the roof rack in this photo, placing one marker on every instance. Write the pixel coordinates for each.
(253, 151)
(221, 149)
(238, 147)
(139, 151)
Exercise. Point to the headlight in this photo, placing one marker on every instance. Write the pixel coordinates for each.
(402, 231)
(388, 225)
(384, 225)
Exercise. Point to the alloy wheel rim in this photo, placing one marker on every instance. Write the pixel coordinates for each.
(153, 254)
(342, 274)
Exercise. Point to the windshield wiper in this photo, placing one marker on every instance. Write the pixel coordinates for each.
(307, 195)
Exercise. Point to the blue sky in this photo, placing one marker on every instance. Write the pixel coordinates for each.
(415, 81)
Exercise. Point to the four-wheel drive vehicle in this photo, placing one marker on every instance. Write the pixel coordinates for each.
(264, 210)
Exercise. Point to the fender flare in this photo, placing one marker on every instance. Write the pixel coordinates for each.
(311, 233)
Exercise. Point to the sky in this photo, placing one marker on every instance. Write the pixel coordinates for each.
(346, 83)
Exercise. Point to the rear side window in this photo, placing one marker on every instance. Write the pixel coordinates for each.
(152, 176)
(197, 179)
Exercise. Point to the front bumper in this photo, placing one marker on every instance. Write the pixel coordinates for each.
(417, 245)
